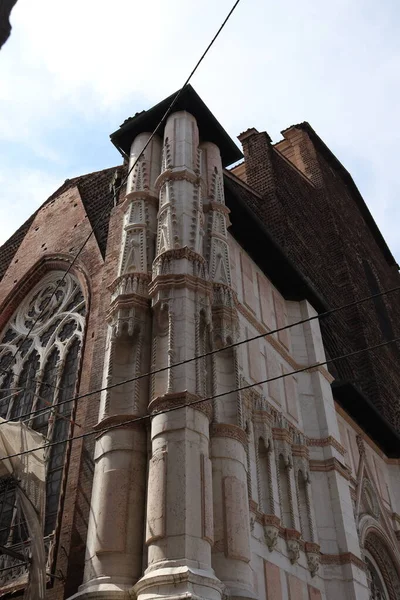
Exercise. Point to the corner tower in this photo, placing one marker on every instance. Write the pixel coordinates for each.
(172, 301)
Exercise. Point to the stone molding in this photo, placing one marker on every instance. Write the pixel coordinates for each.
(328, 441)
(343, 559)
(331, 464)
(228, 430)
(179, 399)
(282, 435)
(217, 207)
(138, 195)
(118, 420)
(180, 253)
(130, 283)
(300, 451)
(178, 281)
(176, 174)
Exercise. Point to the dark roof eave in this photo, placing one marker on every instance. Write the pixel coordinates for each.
(367, 416)
(210, 129)
(253, 236)
(369, 219)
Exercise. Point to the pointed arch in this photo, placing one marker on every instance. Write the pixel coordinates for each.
(303, 501)
(284, 492)
(45, 333)
(386, 562)
(264, 477)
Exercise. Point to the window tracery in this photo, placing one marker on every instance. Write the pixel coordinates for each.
(375, 582)
(42, 376)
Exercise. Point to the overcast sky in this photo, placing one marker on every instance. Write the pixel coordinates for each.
(73, 70)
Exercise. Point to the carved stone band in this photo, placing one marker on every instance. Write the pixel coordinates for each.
(175, 400)
(228, 430)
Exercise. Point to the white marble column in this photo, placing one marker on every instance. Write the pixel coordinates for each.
(179, 524)
(114, 553)
(231, 552)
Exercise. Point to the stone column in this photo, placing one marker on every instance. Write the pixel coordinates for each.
(231, 553)
(336, 530)
(114, 555)
(179, 524)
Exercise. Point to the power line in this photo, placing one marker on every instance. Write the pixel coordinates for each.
(176, 98)
(102, 214)
(202, 400)
(201, 356)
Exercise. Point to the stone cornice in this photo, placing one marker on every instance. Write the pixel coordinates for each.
(217, 207)
(343, 559)
(114, 420)
(142, 280)
(328, 441)
(181, 174)
(180, 253)
(127, 301)
(174, 281)
(300, 450)
(180, 399)
(281, 434)
(138, 195)
(228, 430)
(331, 464)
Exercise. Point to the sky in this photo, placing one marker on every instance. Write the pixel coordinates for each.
(73, 70)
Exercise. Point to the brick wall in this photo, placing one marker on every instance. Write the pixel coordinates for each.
(50, 239)
(313, 209)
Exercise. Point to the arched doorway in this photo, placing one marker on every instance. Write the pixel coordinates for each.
(382, 572)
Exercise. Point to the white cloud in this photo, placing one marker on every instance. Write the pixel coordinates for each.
(275, 64)
(25, 190)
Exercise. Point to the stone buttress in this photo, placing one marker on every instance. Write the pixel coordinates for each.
(114, 554)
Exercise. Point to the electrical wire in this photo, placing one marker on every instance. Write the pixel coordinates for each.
(202, 400)
(103, 213)
(204, 355)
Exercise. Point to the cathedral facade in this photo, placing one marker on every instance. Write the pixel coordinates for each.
(203, 437)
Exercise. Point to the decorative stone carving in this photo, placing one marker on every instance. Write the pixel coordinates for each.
(293, 544)
(130, 283)
(370, 499)
(313, 557)
(271, 531)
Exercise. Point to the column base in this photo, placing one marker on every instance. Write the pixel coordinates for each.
(104, 588)
(179, 583)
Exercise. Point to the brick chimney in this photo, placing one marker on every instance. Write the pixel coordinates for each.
(257, 150)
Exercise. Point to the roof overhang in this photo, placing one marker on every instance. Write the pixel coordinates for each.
(210, 129)
(251, 233)
(368, 417)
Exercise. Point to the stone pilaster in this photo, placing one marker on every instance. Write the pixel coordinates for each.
(179, 524)
(114, 556)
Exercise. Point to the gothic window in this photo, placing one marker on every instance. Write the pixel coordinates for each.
(377, 588)
(303, 506)
(284, 492)
(264, 474)
(41, 377)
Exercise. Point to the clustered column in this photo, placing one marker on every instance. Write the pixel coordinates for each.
(231, 552)
(179, 528)
(114, 557)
